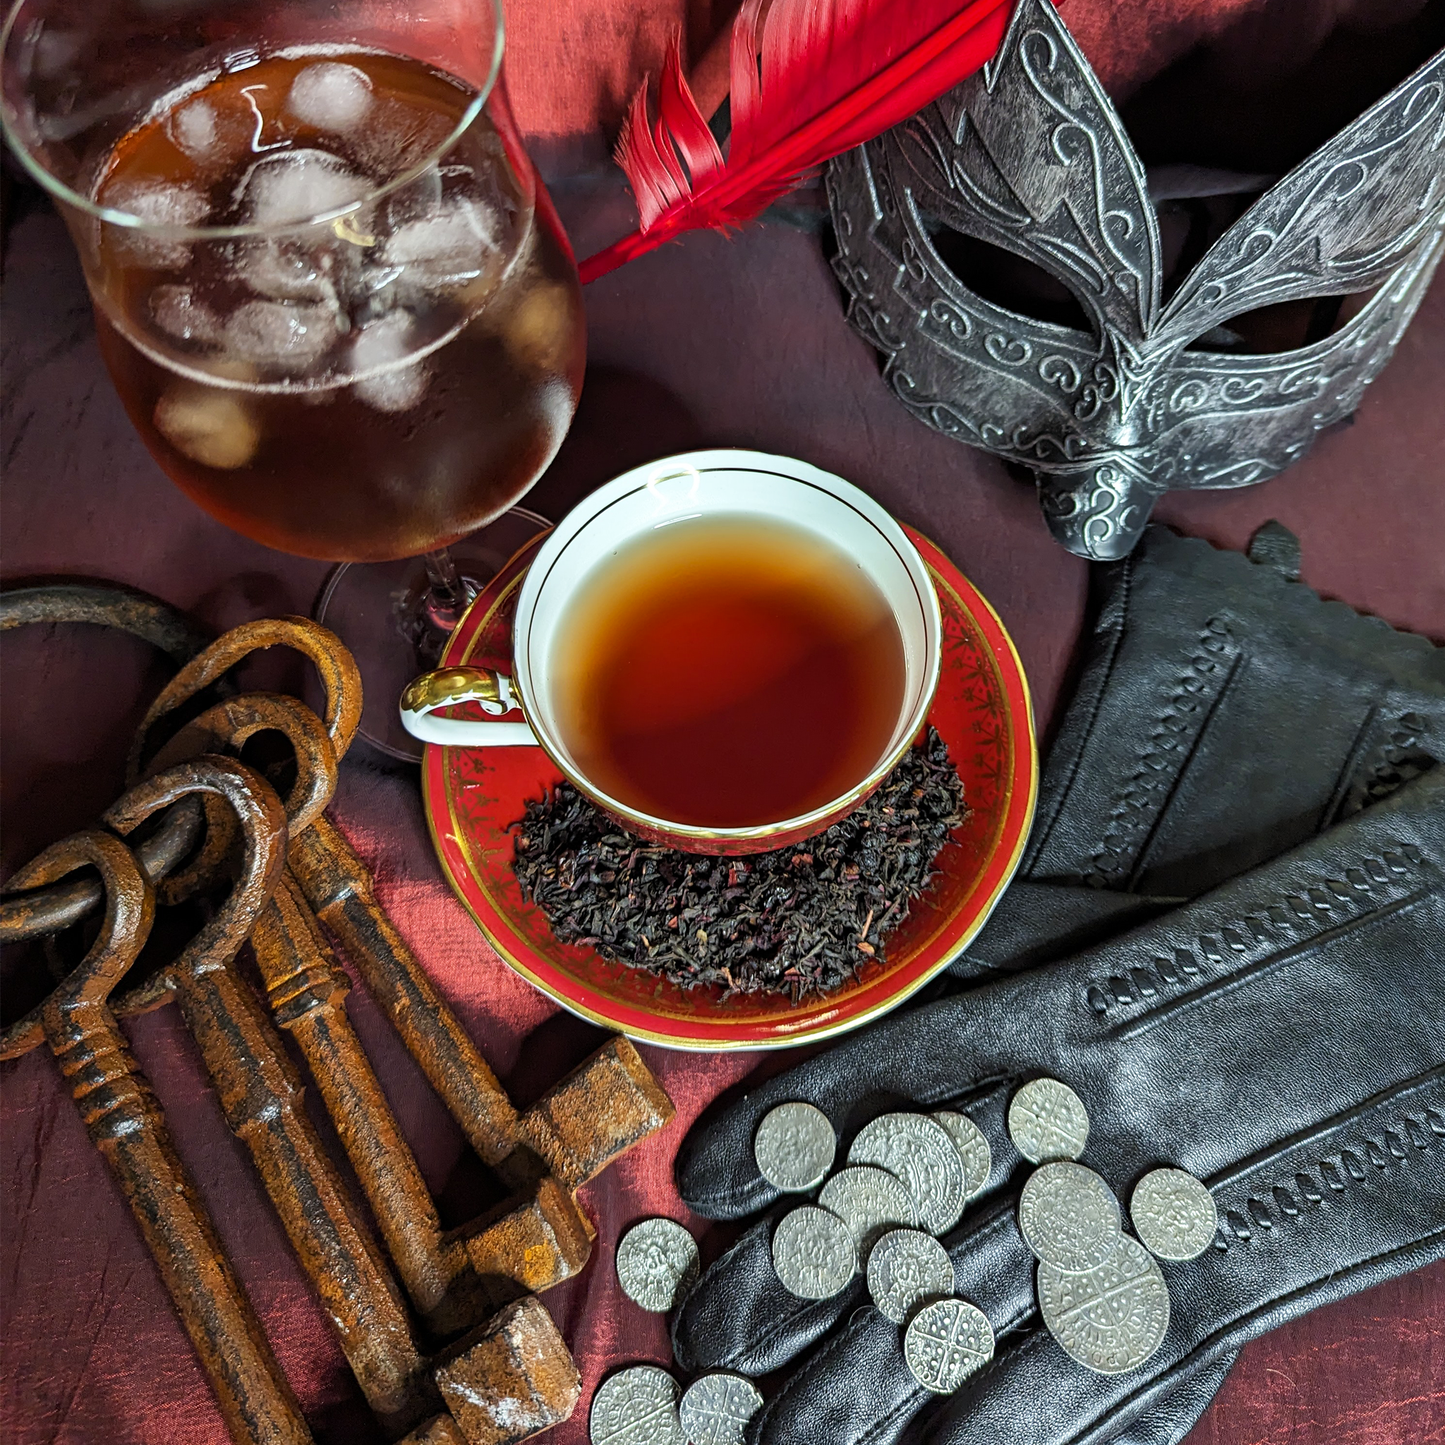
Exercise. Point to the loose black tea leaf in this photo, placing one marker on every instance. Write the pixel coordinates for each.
(800, 920)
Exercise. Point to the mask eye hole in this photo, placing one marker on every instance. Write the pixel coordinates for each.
(1006, 280)
(1270, 330)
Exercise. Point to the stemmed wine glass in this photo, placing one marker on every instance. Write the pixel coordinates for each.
(328, 283)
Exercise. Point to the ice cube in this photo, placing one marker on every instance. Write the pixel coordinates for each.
(154, 203)
(193, 128)
(287, 269)
(397, 137)
(397, 390)
(212, 427)
(212, 134)
(450, 248)
(180, 315)
(382, 342)
(287, 335)
(330, 96)
(385, 379)
(290, 186)
(415, 201)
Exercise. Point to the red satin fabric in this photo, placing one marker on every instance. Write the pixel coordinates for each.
(714, 341)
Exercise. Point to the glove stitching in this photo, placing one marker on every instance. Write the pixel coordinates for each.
(1398, 1131)
(914, 1400)
(1001, 1220)
(1160, 765)
(918, 1396)
(1388, 1141)
(978, 1095)
(842, 1343)
(1378, 1146)
(1043, 830)
(1152, 1019)
(1313, 902)
(1220, 1341)
(1300, 607)
(1340, 1168)
(743, 1200)
(1152, 814)
(1396, 760)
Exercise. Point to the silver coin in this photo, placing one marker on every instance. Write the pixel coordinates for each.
(1068, 1216)
(716, 1409)
(945, 1342)
(1173, 1214)
(1047, 1120)
(794, 1147)
(813, 1253)
(1110, 1319)
(907, 1266)
(656, 1264)
(972, 1145)
(637, 1406)
(919, 1151)
(870, 1201)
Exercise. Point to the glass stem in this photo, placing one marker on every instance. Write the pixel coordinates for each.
(448, 593)
(428, 615)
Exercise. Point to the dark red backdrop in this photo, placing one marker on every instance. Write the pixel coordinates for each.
(711, 342)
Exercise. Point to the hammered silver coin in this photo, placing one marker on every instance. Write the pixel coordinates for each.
(636, 1406)
(716, 1409)
(794, 1147)
(870, 1201)
(905, 1267)
(656, 1264)
(1173, 1213)
(1047, 1120)
(813, 1252)
(919, 1151)
(945, 1342)
(1068, 1216)
(972, 1145)
(1109, 1319)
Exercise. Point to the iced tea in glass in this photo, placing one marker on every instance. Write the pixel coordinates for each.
(347, 322)
(331, 290)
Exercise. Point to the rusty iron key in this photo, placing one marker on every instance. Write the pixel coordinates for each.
(306, 989)
(262, 1099)
(126, 1123)
(608, 1104)
(512, 1375)
(507, 1380)
(539, 1238)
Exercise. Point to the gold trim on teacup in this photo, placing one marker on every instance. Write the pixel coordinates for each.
(448, 686)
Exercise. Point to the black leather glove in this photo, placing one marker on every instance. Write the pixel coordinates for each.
(1223, 714)
(1354, 1201)
(1190, 648)
(1222, 1038)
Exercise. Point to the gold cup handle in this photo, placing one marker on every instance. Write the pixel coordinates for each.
(451, 685)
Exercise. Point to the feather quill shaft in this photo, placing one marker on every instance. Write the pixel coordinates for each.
(832, 76)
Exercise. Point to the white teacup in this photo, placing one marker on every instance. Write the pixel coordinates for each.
(735, 484)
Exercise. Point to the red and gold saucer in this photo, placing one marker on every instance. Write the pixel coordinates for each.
(475, 795)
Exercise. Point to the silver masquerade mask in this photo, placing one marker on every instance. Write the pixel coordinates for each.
(1030, 156)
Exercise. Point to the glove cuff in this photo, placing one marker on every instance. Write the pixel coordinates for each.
(1224, 714)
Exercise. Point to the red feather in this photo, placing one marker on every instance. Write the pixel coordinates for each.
(828, 75)
(652, 154)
